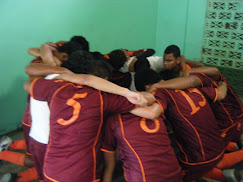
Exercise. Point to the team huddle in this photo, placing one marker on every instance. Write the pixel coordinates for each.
(85, 109)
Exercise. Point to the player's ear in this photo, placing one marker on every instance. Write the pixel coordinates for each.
(64, 56)
(178, 60)
(147, 87)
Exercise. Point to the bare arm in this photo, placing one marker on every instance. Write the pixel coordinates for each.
(150, 112)
(110, 163)
(209, 71)
(104, 85)
(27, 85)
(42, 70)
(191, 63)
(222, 91)
(34, 52)
(194, 63)
(47, 55)
(177, 83)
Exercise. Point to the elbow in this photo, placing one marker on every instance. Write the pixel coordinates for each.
(215, 71)
(153, 116)
(27, 70)
(29, 51)
(221, 96)
(27, 87)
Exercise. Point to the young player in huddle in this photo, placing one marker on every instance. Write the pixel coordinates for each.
(82, 125)
(196, 130)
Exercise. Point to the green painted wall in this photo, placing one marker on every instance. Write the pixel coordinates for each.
(107, 24)
(181, 22)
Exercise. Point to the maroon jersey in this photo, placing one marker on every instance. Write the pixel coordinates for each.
(194, 124)
(75, 125)
(144, 147)
(228, 112)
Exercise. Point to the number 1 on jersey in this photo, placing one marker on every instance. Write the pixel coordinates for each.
(190, 101)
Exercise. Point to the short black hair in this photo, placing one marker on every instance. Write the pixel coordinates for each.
(69, 47)
(83, 62)
(82, 41)
(145, 77)
(141, 63)
(173, 49)
(100, 68)
(98, 55)
(117, 58)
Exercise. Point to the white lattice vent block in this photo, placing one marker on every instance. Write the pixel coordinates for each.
(223, 34)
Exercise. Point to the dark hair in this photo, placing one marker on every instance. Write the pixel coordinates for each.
(141, 63)
(83, 62)
(100, 68)
(82, 41)
(173, 49)
(69, 47)
(145, 77)
(117, 59)
(98, 55)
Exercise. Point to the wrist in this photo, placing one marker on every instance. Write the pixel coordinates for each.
(125, 92)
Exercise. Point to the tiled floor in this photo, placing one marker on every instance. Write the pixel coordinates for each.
(7, 167)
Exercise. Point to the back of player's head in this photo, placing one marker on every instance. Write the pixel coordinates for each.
(82, 41)
(173, 49)
(117, 58)
(78, 62)
(100, 68)
(69, 47)
(98, 55)
(146, 77)
(83, 62)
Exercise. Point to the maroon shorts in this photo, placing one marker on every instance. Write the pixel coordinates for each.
(192, 172)
(38, 151)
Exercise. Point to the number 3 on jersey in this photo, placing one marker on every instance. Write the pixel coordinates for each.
(190, 101)
(76, 109)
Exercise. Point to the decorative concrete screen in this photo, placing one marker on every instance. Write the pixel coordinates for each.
(223, 35)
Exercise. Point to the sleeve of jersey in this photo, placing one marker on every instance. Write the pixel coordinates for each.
(109, 141)
(162, 99)
(204, 79)
(210, 92)
(116, 104)
(42, 89)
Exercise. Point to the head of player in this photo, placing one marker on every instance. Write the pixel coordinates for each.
(144, 78)
(117, 58)
(172, 58)
(63, 52)
(82, 41)
(83, 62)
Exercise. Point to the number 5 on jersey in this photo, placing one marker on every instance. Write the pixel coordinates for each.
(76, 109)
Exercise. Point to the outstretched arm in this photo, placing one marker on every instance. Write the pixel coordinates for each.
(209, 71)
(104, 85)
(177, 83)
(34, 52)
(191, 63)
(150, 112)
(46, 52)
(110, 163)
(41, 70)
